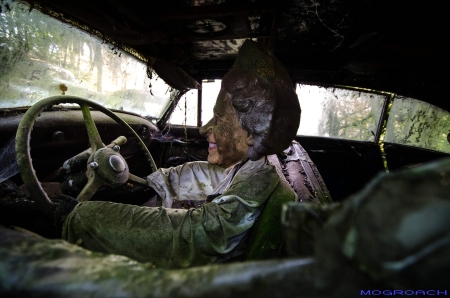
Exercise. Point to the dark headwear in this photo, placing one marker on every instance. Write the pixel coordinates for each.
(263, 98)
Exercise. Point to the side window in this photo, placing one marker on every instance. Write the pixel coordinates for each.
(339, 113)
(185, 113)
(186, 110)
(210, 90)
(416, 123)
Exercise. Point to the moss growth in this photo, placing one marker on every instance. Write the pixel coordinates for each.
(266, 237)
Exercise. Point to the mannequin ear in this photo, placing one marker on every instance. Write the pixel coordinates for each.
(249, 139)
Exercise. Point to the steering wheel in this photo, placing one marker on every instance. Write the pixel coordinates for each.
(105, 165)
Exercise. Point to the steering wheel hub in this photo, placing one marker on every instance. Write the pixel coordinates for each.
(116, 163)
(111, 166)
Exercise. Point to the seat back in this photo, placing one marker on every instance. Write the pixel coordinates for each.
(299, 181)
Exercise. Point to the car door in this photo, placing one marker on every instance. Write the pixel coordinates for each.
(341, 128)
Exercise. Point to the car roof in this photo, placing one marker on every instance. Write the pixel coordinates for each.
(393, 46)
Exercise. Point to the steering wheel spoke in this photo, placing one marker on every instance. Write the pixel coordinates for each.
(94, 136)
(93, 184)
(136, 179)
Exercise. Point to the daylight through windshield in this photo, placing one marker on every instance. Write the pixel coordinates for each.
(43, 57)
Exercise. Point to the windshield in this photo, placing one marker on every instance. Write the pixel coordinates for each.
(42, 57)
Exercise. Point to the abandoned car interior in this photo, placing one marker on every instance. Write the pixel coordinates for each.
(95, 96)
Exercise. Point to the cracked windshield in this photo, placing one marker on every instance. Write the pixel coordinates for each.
(44, 57)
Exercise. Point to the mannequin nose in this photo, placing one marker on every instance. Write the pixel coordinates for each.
(205, 129)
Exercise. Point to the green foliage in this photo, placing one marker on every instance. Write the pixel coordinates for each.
(40, 55)
(351, 114)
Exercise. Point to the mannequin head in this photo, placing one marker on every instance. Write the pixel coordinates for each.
(228, 141)
(257, 111)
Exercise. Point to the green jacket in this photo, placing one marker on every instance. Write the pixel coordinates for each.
(174, 238)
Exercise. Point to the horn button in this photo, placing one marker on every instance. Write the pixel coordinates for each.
(112, 167)
(116, 163)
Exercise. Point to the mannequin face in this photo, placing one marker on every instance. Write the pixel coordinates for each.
(228, 142)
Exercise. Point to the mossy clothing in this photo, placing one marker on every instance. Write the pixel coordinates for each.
(173, 238)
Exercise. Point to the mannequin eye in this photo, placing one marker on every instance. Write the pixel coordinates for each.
(242, 105)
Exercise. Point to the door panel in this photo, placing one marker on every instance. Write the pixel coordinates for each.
(346, 166)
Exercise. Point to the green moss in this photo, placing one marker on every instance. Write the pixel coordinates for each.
(266, 237)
